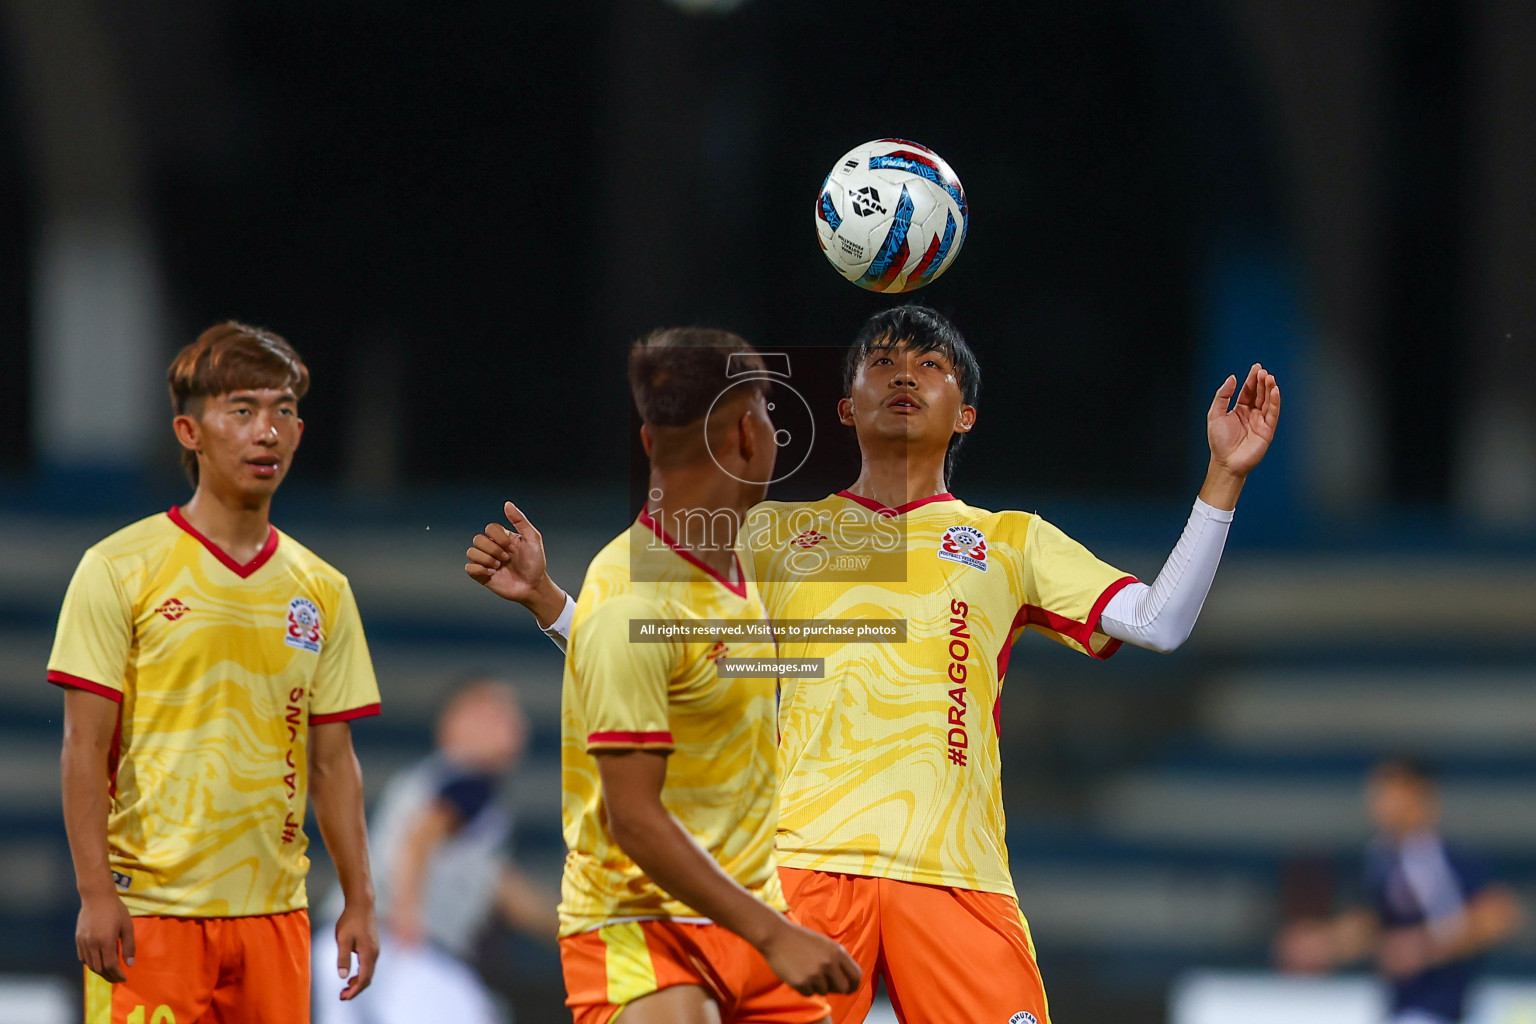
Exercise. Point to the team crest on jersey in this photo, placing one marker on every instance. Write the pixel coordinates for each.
(303, 625)
(1023, 1017)
(965, 545)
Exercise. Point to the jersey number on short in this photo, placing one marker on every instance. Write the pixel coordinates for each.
(162, 1015)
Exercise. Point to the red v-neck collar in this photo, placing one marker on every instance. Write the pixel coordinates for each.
(739, 588)
(243, 571)
(875, 506)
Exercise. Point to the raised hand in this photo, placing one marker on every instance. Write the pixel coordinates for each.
(1240, 433)
(511, 564)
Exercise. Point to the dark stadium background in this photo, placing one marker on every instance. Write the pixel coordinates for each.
(462, 214)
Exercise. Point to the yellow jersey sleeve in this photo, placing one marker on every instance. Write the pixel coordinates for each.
(345, 686)
(622, 686)
(1065, 590)
(94, 637)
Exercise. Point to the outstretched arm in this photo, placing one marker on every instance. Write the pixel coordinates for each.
(511, 565)
(1313, 946)
(1488, 919)
(1160, 617)
(435, 823)
(525, 905)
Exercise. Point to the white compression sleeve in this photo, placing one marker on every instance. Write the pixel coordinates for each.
(559, 631)
(1160, 617)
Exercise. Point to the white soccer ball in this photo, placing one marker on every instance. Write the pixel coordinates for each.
(891, 216)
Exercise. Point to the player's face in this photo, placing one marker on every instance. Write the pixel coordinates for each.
(1399, 805)
(900, 393)
(484, 729)
(246, 438)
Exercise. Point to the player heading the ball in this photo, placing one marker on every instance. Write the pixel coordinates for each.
(891, 833)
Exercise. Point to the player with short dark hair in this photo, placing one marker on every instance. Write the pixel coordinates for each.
(891, 833)
(1433, 908)
(211, 667)
(671, 908)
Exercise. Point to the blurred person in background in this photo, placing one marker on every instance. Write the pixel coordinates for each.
(212, 666)
(1434, 909)
(439, 841)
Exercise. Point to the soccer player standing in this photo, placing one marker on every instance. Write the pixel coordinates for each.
(671, 909)
(211, 667)
(891, 832)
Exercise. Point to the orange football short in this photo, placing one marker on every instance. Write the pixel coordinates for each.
(616, 964)
(945, 954)
(209, 970)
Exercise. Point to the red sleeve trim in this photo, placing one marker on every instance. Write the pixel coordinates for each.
(1082, 632)
(1098, 611)
(630, 739)
(344, 716)
(75, 682)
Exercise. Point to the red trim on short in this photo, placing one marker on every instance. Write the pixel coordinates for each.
(630, 738)
(1082, 632)
(739, 588)
(344, 716)
(875, 506)
(65, 679)
(243, 571)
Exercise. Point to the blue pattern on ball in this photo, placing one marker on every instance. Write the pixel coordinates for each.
(828, 211)
(894, 240)
(944, 244)
(902, 163)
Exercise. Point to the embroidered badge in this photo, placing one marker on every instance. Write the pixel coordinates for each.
(303, 625)
(965, 545)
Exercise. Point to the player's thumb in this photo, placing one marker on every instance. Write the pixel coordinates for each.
(1223, 396)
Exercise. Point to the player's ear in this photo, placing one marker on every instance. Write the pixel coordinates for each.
(845, 411)
(189, 432)
(966, 419)
(744, 437)
(645, 439)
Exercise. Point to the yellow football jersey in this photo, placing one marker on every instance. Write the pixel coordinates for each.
(722, 773)
(220, 669)
(891, 760)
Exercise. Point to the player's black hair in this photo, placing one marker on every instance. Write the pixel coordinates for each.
(675, 374)
(923, 330)
(1408, 766)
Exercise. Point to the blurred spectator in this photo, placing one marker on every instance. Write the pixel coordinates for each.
(438, 846)
(1434, 909)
